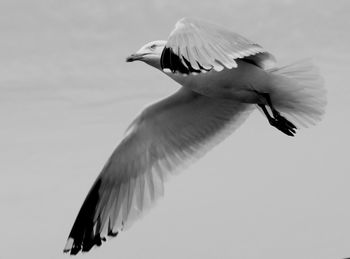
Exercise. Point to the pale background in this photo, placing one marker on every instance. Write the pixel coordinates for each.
(67, 95)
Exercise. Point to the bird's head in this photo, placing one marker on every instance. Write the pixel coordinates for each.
(149, 53)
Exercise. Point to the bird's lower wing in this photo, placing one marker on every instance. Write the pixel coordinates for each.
(164, 137)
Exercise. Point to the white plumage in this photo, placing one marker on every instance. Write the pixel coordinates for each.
(227, 76)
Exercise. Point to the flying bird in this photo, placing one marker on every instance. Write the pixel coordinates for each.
(223, 77)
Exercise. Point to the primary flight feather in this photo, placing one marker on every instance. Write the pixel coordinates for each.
(224, 76)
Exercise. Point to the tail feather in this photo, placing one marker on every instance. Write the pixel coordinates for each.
(297, 91)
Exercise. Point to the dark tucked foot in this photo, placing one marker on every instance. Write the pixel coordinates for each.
(283, 125)
(279, 122)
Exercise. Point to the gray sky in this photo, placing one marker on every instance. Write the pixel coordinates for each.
(67, 95)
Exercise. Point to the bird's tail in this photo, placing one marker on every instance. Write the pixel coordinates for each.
(298, 93)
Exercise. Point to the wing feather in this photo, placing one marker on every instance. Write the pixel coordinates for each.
(165, 137)
(202, 45)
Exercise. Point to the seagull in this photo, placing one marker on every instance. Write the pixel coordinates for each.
(223, 78)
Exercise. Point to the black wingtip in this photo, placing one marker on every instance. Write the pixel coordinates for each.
(87, 228)
(75, 248)
(82, 236)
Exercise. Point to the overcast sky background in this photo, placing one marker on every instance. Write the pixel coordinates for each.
(67, 96)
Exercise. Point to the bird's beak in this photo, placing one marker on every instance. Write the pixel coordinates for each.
(134, 57)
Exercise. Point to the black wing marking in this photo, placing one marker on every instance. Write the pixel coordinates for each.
(82, 234)
(169, 60)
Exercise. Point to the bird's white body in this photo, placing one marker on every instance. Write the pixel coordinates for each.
(239, 84)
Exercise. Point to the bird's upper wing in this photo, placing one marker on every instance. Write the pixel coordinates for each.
(165, 136)
(196, 46)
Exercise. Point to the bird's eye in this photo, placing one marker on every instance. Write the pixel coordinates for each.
(153, 46)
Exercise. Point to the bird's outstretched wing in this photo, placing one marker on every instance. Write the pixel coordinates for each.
(167, 135)
(196, 46)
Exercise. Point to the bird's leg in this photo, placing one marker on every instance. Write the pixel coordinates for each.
(267, 114)
(269, 103)
(277, 120)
